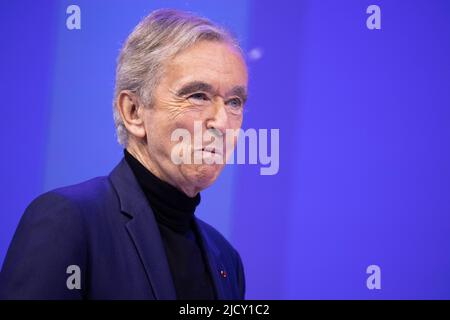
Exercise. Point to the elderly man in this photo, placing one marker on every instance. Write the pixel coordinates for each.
(133, 234)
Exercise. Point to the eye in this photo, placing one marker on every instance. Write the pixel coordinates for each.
(235, 103)
(198, 97)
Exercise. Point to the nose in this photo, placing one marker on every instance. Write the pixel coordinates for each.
(217, 118)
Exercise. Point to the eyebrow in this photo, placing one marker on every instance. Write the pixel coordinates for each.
(195, 86)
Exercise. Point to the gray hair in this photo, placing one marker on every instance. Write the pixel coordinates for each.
(155, 40)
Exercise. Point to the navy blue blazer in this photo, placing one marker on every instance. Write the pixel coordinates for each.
(106, 227)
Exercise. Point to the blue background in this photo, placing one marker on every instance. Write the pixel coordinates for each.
(364, 119)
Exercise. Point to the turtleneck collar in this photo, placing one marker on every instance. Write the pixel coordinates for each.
(171, 207)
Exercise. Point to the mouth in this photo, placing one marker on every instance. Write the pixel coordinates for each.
(211, 150)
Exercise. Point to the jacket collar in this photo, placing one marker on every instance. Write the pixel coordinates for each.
(143, 231)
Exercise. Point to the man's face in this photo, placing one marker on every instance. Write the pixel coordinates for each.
(206, 83)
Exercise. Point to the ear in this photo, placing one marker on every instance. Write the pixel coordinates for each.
(132, 116)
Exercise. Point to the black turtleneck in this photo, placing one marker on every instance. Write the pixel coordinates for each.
(174, 213)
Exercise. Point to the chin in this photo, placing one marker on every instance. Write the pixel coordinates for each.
(205, 175)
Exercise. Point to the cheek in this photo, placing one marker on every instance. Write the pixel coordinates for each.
(236, 122)
(159, 130)
(191, 119)
(155, 127)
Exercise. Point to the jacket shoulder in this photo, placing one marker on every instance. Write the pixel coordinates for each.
(51, 236)
(84, 193)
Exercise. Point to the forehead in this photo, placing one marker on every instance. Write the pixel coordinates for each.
(215, 63)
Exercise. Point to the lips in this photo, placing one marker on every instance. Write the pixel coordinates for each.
(211, 150)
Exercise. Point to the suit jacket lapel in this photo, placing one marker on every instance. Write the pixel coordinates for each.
(143, 231)
(214, 263)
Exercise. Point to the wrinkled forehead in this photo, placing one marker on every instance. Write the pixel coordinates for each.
(216, 64)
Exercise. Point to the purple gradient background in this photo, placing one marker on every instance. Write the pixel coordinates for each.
(364, 119)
